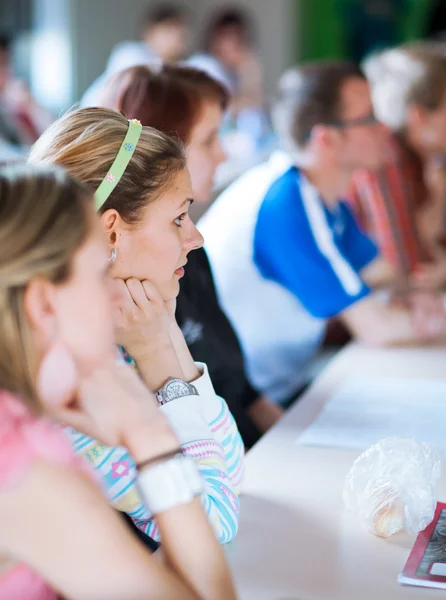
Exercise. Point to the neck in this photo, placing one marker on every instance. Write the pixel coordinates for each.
(330, 183)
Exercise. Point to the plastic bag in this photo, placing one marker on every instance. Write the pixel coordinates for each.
(391, 486)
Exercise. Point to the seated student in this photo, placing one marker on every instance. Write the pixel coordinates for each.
(143, 194)
(56, 335)
(191, 104)
(286, 253)
(164, 38)
(229, 56)
(409, 95)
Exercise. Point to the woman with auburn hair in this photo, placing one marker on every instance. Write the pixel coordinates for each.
(57, 364)
(143, 193)
(187, 103)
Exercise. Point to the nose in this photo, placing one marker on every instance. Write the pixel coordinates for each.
(221, 155)
(194, 240)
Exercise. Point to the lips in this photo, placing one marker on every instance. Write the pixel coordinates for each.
(180, 271)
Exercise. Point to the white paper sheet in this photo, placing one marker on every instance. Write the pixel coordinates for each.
(365, 410)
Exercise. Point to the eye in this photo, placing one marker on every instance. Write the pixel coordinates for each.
(179, 219)
(210, 139)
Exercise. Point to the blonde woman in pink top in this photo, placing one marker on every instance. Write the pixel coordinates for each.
(58, 536)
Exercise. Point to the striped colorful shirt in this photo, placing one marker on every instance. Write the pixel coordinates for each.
(387, 202)
(207, 432)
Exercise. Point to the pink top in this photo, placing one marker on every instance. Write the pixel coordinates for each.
(23, 439)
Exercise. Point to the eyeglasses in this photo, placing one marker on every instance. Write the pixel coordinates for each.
(369, 119)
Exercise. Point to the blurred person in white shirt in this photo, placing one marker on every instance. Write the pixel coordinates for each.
(164, 39)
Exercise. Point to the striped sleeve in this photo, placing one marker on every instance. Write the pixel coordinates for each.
(197, 439)
(116, 470)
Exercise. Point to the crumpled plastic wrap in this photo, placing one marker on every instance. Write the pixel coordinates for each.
(391, 486)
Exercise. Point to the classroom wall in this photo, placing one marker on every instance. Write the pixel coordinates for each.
(90, 29)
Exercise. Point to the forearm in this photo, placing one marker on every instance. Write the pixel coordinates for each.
(219, 499)
(191, 549)
(190, 545)
(264, 413)
(380, 274)
(185, 359)
(395, 328)
(157, 366)
(377, 324)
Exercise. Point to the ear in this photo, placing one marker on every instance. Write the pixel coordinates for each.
(40, 309)
(113, 224)
(321, 136)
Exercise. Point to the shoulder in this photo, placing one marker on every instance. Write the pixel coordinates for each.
(282, 206)
(25, 438)
(213, 67)
(284, 190)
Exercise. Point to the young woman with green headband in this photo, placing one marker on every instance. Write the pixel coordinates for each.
(190, 104)
(143, 193)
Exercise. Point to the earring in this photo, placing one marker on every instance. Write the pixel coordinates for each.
(113, 255)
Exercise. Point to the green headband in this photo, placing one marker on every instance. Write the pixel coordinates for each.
(116, 171)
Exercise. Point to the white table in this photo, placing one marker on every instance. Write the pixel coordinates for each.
(295, 541)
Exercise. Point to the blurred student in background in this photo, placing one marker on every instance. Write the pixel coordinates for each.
(230, 57)
(402, 204)
(287, 253)
(164, 39)
(189, 104)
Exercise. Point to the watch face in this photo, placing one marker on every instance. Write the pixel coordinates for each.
(176, 389)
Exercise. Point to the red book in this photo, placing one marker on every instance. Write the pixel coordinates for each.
(426, 565)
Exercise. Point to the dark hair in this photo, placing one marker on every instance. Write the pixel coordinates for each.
(5, 44)
(310, 95)
(170, 99)
(163, 13)
(229, 18)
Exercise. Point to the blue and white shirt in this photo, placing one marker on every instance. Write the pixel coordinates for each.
(283, 264)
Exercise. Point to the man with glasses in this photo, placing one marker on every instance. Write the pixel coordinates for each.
(286, 251)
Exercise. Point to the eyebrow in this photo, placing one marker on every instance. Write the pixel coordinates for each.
(188, 200)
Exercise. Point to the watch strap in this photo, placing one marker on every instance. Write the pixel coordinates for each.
(169, 484)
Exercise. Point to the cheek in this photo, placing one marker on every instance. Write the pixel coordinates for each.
(165, 258)
(439, 130)
(202, 172)
(86, 326)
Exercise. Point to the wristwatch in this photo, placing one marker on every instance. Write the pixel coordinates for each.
(173, 389)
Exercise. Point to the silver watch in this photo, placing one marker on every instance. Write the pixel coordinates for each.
(173, 389)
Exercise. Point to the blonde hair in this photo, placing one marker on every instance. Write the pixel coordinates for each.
(86, 142)
(43, 221)
(413, 74)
